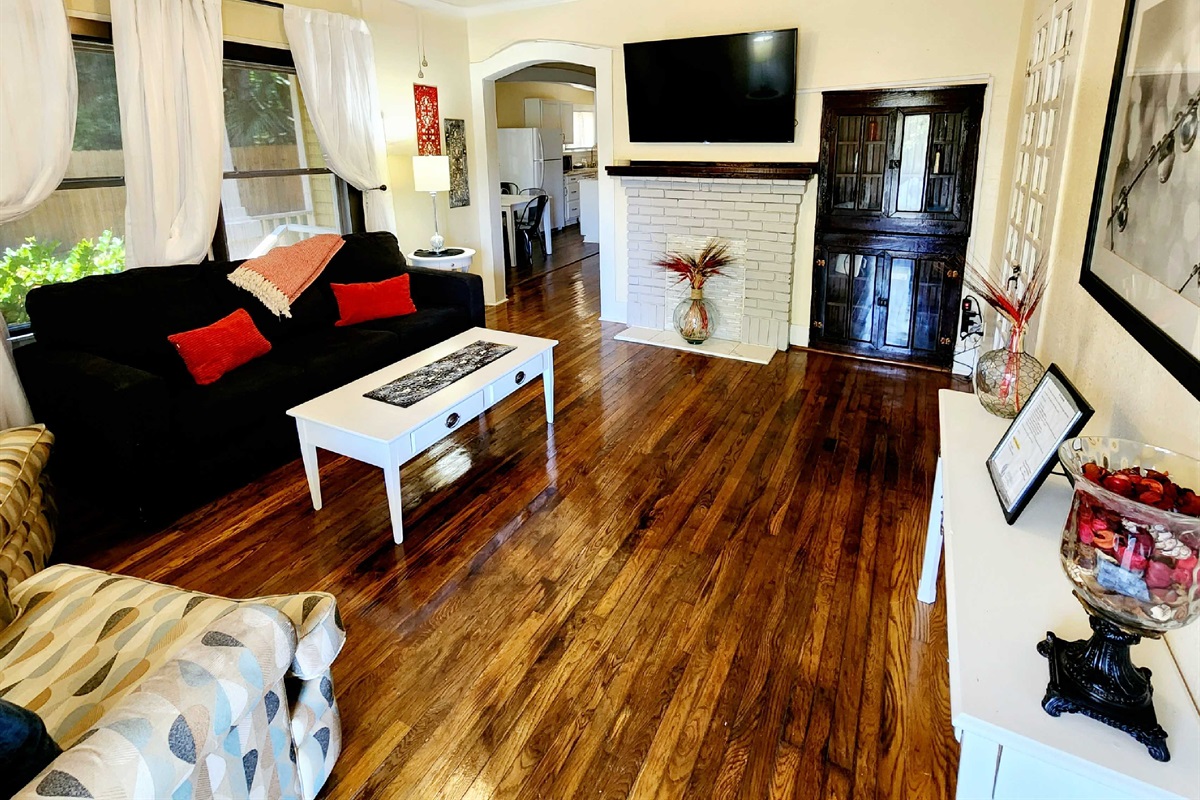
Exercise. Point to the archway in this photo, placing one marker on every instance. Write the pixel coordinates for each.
(483, 100)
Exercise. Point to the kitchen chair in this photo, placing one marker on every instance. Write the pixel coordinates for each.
(529, 224)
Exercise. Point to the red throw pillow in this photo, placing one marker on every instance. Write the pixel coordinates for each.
(362, 302)
(228, 343)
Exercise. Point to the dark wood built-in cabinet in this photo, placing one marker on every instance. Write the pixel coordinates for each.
(897, 186)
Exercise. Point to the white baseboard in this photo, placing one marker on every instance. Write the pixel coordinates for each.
(721, 348)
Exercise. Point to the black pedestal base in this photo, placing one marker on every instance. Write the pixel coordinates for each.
(1095, 677)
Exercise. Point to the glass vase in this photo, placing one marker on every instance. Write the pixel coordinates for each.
(1005, 378)
(695, 318)
(1131, 562)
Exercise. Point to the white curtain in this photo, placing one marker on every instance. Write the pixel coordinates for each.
(168, 57)
(335, 61)
(37, 103)
(37, 127)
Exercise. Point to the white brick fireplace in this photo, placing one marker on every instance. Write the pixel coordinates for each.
(756, 216)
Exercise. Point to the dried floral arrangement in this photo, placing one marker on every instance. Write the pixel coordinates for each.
(1015, 305)
(697, 269)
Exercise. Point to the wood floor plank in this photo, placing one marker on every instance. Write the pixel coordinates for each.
(699, 582)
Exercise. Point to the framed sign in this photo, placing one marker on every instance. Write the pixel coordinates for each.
(1054, 412)
(1142, 259)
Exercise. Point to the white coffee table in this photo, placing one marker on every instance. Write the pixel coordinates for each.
(344, 421)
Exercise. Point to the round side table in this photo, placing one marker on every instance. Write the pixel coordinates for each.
(460, 262)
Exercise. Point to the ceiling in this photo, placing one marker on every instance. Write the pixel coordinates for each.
(556, 72)
(474, 8)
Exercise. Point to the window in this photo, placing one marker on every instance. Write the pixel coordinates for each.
(585, 129)
(277, 188)
(1049, 84)
(79, 229)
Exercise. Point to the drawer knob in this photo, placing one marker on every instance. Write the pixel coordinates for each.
(520, 377)
(452, 420)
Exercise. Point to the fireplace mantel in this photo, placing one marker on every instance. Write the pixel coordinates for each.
(736, 170)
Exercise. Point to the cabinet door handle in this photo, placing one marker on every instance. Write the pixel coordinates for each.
(882, 302)
(952, 273)
(452, 420)
(945, 340)
(520, 377)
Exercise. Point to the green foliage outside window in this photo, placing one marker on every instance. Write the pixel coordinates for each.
(98, 117)
(258, 107)
(35, 263)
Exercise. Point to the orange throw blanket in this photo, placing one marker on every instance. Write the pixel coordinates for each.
(280, 276)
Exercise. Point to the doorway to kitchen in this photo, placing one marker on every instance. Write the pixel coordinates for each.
(897, 190)
(546, 140)
(485, 75)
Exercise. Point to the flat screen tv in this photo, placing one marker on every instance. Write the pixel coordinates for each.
(735, 88)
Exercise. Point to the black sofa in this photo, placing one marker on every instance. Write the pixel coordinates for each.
(135, 430)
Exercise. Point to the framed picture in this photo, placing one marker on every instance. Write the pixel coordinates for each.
(1027, 451)
(456, 148)
(1142, 259)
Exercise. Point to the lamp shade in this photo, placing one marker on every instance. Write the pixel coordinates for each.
(431, 173)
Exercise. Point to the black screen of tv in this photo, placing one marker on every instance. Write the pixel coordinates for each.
(736, 88)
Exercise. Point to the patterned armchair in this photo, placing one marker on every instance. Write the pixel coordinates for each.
(157, 692)
(27, 512)
(153, 691)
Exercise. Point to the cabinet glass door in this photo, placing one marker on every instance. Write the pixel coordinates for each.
(849, 307)
(918, 305)
(929, 147)
(860, 162)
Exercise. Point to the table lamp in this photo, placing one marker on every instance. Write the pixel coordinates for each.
(432, 174)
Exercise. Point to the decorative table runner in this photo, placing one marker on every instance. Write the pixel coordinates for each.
(421, 383)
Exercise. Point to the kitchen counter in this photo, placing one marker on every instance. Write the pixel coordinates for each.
(581, 172)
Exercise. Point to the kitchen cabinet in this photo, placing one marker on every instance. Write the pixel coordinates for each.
(566, 113)
(551, 115)
(572, 200)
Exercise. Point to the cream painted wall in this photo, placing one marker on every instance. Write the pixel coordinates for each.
(394, 29)
(1133, 395)
(907, 42)
(510, 99)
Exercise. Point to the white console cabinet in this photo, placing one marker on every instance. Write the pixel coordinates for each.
(1005, 589)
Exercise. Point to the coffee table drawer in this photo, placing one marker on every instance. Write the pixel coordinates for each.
(514, 380)
(447, 422)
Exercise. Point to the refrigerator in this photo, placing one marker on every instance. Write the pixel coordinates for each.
(532, 158)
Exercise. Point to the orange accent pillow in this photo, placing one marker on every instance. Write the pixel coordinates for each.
(363, 302)
(228, 343)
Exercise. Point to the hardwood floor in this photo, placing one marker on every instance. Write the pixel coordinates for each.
(569, 248)
(700, 582)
